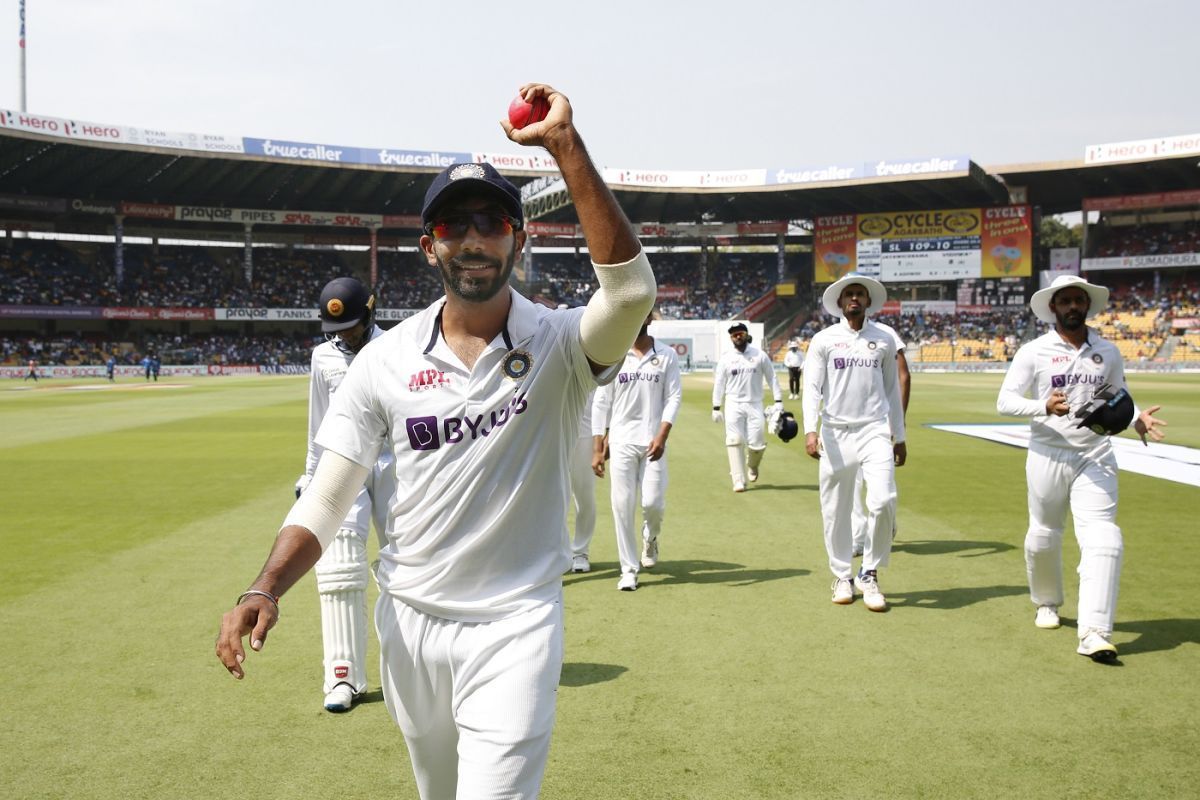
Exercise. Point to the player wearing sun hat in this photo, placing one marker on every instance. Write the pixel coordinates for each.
(852, 388)
(1069, 465)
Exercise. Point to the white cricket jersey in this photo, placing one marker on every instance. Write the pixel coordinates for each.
(328, 367)
(646, 393)
(793, 358)
(737, 377)
(855, 374)
(900, 346)
(1049, 363)
(478, 522)
(585, 421)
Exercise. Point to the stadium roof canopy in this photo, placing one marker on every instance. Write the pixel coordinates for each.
(40, 165)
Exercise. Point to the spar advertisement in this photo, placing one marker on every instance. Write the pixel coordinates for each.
(945, 244)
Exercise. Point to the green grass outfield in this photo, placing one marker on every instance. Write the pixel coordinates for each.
(133, 517)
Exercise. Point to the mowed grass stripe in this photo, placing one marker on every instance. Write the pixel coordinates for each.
(728, 674)
(72, 501)
(56, 411)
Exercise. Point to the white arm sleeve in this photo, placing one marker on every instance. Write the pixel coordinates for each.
(328, 498)
(1019, 383)
(617, 310)
(814, 385)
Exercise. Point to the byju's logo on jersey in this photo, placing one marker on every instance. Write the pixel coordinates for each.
(430, 433)
(855, 361)
(427, 379)
(1061, 381)
(633, 377)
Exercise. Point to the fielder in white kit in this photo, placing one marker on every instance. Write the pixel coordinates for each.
(851, 386)
(637, 411)
(1070, 466)
(858, 517)
(738, 379)
(583, 492)
(470, 611)
(347, 310)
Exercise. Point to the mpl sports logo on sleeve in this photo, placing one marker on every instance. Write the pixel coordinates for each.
(430, 433)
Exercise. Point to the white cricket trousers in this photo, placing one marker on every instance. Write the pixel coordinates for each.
(846, 449)
(475, 701)
(583, 490)
(744, 425)
(631, 469)
(1086, 483)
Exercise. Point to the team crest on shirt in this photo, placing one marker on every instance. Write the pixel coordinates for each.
(1096, 357)
(654, 362)
(517, 364)
(872, 345)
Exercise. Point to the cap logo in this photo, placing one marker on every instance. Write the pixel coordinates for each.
(467, 171)
(517, 364)
(335, 307)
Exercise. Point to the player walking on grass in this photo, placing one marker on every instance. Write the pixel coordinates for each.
(470, 611)
(1069, 465)
(583, 491)
(851, 386)
(347, 310)
(737, 380)
(858, 516)
(636, 413)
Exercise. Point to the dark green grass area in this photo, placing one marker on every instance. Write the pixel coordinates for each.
(134, 518)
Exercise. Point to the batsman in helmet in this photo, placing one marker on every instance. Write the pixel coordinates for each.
(348, 321)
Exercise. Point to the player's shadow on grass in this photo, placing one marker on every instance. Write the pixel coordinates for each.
(673, 572)
(1156, 635)
(584, 674)
(947, 599)
(785, 487)
(942, 547)
(366, 698)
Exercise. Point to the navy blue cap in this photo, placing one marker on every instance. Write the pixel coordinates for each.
(481, 179)
(741, 326)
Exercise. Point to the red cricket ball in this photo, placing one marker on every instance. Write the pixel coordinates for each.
(521, 113)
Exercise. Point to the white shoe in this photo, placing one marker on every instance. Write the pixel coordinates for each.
(1096, 646)
(580, 563)
(1047, 617)
(752, 474)
(738, 486)
(650, 553)
(868, 584)
(628, 582)
(843, 591)
(340, 698)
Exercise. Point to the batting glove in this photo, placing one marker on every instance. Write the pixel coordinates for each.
(718, 417)
(302, 484)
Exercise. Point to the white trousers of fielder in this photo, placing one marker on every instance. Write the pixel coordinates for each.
(583, 490)
(475, 701)
(1059, 479)
(744, 428)
(630, 470)
(846, 449)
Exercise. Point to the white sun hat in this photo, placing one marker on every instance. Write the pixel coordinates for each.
(874, 289)
(1040, 302)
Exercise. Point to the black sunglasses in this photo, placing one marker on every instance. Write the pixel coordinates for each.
(457, 225)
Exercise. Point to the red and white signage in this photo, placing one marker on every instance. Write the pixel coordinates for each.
(1142, 149)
